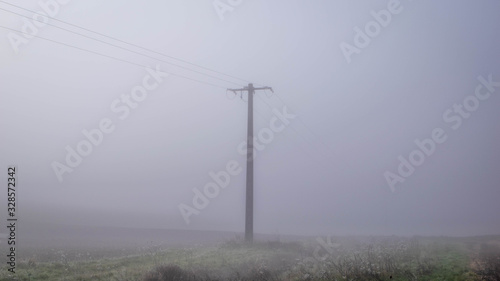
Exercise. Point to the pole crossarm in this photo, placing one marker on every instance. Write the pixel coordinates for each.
(246, 89)
(264, 88)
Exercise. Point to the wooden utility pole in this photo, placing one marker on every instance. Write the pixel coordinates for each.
(249, 188)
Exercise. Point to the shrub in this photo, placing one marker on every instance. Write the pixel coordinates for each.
(168, 273)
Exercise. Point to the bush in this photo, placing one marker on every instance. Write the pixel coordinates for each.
(168, 273)
(487, 264)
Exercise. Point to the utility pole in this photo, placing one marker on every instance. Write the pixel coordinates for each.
(249, 185)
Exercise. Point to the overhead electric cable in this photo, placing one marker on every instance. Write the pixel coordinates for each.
(123, 48)
(108, 56)
(128, 43)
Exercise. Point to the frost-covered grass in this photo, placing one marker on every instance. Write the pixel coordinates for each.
(383, 258)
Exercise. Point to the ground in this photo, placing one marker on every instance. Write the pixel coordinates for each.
(350, 258)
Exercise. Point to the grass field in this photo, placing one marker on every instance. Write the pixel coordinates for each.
(341, 258)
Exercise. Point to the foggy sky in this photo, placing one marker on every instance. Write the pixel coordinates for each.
(323, 174)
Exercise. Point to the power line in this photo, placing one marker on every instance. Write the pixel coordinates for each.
(299, 119)
(293, 129)
(303, 123)
(95, 39)
(143, 48)
(140, 47)
(123, 48)
(146, 49)
(108, 56)
(316, 155)
(128, 43)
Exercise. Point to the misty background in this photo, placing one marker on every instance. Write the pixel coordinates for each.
(324, 174)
